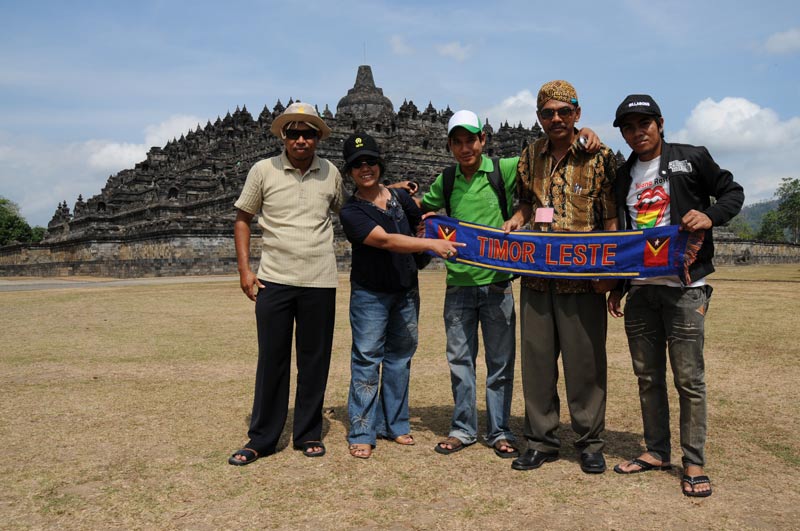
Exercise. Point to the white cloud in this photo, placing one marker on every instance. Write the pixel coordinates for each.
(664, 19)
(103, 155)
(784, 42)
(521, 107)
(455, 50)
(115, 156)
(172, 127)
(6, 153)
(734, 124)
(400, 46)
(749, 140)
(38, 175)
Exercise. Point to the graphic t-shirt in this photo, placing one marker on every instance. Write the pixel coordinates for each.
(648, 206)
(648, 198)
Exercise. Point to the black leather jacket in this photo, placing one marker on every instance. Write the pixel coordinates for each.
(694, 178)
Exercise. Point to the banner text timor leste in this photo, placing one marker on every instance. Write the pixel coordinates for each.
(652, 252)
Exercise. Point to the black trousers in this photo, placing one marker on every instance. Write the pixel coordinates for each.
(278, 309)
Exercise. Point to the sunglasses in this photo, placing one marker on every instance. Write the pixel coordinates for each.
(563, 112)
(294, 134)
(369, 161)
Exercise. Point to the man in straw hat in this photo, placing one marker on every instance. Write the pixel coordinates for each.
(563, 188)
(292, 194)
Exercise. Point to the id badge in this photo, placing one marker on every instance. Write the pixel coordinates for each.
(544, 215)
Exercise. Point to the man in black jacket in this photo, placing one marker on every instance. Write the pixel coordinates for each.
(669, 184)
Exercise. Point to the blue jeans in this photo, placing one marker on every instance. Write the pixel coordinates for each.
(657, 319)
(384, 327)
(493, 307)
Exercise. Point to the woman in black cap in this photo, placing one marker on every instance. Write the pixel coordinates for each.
(384, 299)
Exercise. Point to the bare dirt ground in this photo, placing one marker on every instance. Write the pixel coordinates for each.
(119, 405)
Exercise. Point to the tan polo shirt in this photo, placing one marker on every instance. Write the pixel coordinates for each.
(294, 215)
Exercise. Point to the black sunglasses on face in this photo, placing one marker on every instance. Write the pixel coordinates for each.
(563, 112)
(369, 161)
(294, 134)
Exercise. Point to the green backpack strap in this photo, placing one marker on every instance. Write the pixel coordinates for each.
(495, 180)
(448, 181)
(499, 186)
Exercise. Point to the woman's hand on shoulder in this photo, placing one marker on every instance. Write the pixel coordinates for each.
(412, 187)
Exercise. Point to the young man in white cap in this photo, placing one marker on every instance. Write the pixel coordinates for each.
(475, 295)
(669, 184)
(292, 194)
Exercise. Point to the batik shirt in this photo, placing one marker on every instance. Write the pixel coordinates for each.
(579, 188)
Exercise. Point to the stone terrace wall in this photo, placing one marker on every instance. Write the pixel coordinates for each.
(742, 252)
(157, 255)
(203, 253)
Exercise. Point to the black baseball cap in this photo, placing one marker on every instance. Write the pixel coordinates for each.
(639, 104)
(359, 145)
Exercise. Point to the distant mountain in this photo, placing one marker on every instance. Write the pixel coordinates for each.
(753, 214)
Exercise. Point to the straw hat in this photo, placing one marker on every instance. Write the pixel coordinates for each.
(300, 112)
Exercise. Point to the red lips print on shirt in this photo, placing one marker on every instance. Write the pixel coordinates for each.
(651, 206)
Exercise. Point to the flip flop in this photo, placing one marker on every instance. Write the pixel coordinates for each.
(455, 443)
(249, 455)
(307, 446)
(693, 481)
(498, 445)
(361, 451)
(644, 466)
(404, 440)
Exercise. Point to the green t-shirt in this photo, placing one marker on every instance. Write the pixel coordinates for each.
(476, 201)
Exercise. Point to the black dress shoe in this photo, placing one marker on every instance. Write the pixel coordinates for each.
(533, 459)
(593, 462)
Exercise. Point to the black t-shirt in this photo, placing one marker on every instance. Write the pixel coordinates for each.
(376, 269)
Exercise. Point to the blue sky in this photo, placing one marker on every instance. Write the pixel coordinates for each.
(87, 87)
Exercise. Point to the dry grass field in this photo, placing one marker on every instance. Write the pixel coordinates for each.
(120, 405)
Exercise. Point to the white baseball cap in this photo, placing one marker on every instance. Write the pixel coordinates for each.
(466, 119)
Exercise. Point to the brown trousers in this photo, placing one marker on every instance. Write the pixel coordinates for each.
(573, 325)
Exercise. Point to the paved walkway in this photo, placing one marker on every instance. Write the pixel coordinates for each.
(32, 284)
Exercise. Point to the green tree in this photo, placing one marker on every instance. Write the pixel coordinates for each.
(38, 233)
(788, 210)
(13, 227)
(741, 228)
(771, 228)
